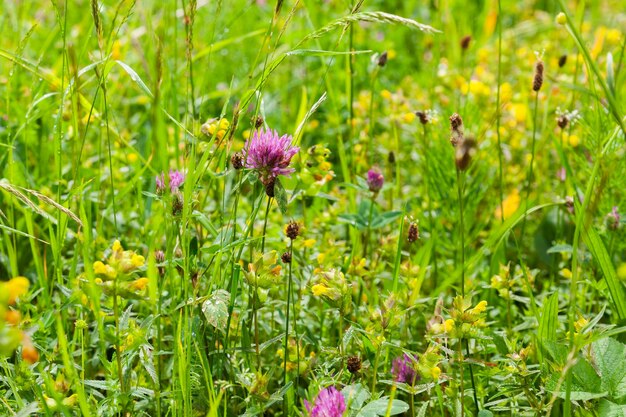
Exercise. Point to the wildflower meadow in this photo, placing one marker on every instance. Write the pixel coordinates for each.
(333, 208)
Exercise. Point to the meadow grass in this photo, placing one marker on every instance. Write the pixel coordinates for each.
(216, 208)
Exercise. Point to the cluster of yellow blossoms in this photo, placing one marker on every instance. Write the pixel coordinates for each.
(10, 335)
(120, 263)
(465, 321)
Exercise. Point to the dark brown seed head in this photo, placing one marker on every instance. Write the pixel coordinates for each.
(382, 59)
(354, 364)
(258, 122)
(464, 153)
(465, 42)
(391, 158)
(422, 116)
(177, 204)
(456, 126)
(562, 121)
(456, 123)
(562, 61)
(286, 258)
(237, 160)
(293, 230)
(538, 79)
(414, 232)
(269, 186)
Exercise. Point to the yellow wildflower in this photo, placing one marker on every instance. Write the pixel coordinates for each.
(15, 288)
(139, 284)
(510, 205)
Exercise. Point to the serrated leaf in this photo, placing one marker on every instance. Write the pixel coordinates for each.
(215, 309)
(145, 356)
(609, 356)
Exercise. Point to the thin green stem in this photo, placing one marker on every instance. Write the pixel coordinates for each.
(286, 351)
(500, 165)
(529, 177)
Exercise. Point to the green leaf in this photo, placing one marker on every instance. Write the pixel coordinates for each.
(610, 409)
(215, 309)
(379, 408)
(549, 320)
(281, 196)
(422, 411)
(485, 413)
(383, 219)
(609, 356)
(355, 396)
(599, 252)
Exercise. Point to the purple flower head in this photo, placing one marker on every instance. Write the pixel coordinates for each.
(176, 178)
(269, 154)
(375, 180)
(160, 183)
(612, 219)
(403, 369)
(328, 403)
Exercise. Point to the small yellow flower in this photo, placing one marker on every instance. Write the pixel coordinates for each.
(480, 307)
(319, 290)
(117, 246)
(448, 325)
(140, 284)
(510, 204)
(566, 273)
(561, 19)
(435, 372)
(408, 117)
(580, 323)
(137, 260)
(102, 269)
(309, 243)
(16, 287)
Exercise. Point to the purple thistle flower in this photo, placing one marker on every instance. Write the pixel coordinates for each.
(375, 180)
(403, 369)
(328, 403)
(269, 154)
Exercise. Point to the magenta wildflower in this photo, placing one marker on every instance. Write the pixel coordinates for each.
(328, 403)
(403, 369)
(269, 154)
(176, 178)
(375, 180)
(160, 183)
